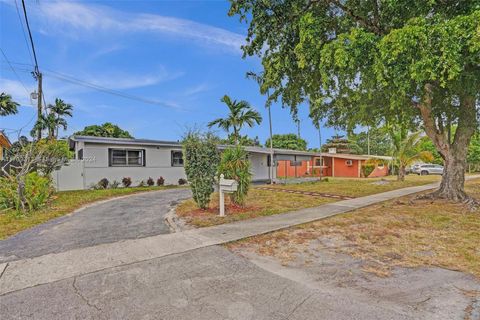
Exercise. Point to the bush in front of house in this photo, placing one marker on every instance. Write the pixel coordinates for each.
(127, 182)
(103, 184)
(200, 158)
(160, 181)
(182, 181)
(141, 184)
(234, 164)
(150, 182)
(115, 184)
(37, 191)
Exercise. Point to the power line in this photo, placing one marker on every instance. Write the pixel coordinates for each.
(16, 74)
(31, 38)
(23, 31)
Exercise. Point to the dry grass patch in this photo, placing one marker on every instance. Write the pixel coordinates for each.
(394, 233)
(258, 203)
(353, 187)
(62, 203)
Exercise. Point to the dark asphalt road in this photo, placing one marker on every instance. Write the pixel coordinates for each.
(132, 217)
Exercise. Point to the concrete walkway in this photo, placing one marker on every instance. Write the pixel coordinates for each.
(49, 268)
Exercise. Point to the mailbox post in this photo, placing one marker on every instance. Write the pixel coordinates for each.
(226, 186)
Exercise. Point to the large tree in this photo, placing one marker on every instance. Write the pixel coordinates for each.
(60, 109)
(105, 130)
(287, 141)
(7, 105)
(240, 114)
(375, 61)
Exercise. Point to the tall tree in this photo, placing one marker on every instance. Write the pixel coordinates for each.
(377, 138)
(342, 145)
(105, 130)
(60, 109)
(363, 62)
(287, 141)
(240, 113)
(7, 105)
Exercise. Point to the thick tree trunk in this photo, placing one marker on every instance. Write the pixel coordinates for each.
(453, 179)
(454, 154)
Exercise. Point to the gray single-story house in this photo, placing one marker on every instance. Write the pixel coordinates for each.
(139, 159)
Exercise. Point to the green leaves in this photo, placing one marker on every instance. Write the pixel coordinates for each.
(201, 158)
(235, 165)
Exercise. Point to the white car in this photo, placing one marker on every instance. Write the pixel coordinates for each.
(428, 168)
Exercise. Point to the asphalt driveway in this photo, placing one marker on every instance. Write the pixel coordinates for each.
(131, 217)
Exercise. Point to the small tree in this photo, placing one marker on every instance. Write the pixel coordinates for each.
(287, 141)
(201, 158)
(235, 165)
(406, 150)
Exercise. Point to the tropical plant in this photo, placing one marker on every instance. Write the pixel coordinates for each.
(241, 113)
(127, 182)
(406, 150)
(287, 141)
(53, 119)
(7, 105)
(60, 109)
(200, 158)
(160, 181)
(105, 130)
(354, 62)
(150, 182)
(103, 183)
(234, 164)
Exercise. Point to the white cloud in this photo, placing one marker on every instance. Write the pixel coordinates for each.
(97, 18)
(17, 91)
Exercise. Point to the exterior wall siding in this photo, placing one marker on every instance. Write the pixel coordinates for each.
(343, 170)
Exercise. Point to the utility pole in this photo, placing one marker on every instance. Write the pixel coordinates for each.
(271, 141)
(368, 140)
(298, 128)
(38, 75)
(320, 143)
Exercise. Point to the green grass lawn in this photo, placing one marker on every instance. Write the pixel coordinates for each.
(264, 203)
(358, 187)
(62, 203)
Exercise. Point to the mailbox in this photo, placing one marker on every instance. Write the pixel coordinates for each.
(226, 186)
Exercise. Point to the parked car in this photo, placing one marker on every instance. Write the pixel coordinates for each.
(413, 168)
(427, 168)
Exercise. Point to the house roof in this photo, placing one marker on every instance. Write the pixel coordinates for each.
(251, 149)
(4, 141)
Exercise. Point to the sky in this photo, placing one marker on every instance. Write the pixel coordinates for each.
(182, 55)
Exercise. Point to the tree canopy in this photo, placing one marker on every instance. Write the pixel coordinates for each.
(287, 141)
(342, 145)
(7, 105)
(105, 130)
(377, 138)
(375, 61)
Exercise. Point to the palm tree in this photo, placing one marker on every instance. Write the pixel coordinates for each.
(405, 151)
(241, 113)
(53, 119)
(7, 105)
(60, 109)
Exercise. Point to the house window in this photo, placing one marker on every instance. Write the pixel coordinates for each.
(319, 163)
(127, 157)
(177, 159)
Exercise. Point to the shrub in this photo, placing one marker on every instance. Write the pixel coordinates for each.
(127, 182)
(367, 169)
(160, 181)
(103, 184)
(235, 165)
(115, 184)
(150, 182)
(201, 158)
(37, 191)
(182, 181)
(141, 184)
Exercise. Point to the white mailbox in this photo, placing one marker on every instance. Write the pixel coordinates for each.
(226, 186)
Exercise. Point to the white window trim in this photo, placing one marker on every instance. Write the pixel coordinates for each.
(142, 157)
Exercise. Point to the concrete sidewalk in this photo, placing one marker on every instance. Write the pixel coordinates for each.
(49, 268)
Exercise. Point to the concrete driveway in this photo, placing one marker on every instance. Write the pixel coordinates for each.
(131, 217)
